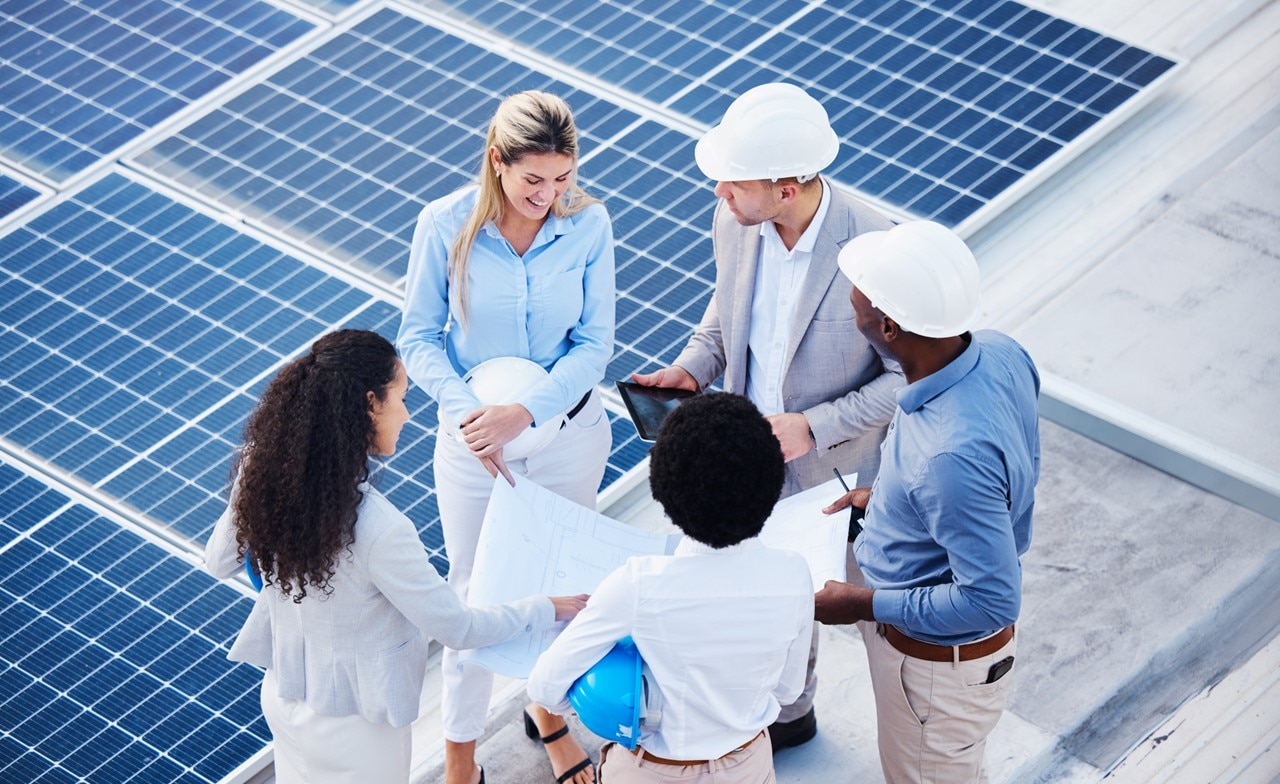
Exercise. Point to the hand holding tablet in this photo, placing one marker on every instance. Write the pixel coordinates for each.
(648, 406)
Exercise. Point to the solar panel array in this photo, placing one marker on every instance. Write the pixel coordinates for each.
(114, 658)
(941, 105)
(81, 81)
(274, 159)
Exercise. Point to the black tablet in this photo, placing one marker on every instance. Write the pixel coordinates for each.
(648, 406)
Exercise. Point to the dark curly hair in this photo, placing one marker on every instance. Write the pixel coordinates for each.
(306, 451)
(717, 469)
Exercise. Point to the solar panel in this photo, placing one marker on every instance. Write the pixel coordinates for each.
(14, 195)
(82, 80)
(114, 652)
(139, 333)
(942, 106)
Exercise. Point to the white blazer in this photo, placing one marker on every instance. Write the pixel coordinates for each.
(362, 650)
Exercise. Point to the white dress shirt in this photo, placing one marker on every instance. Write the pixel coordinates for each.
(725, 632)
(780, 276)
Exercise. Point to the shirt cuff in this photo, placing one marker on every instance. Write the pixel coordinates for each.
(887, 606)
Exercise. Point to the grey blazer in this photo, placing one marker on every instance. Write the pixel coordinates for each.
(844, 387)
(362, 650)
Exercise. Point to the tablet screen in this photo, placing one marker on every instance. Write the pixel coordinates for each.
(648, 406)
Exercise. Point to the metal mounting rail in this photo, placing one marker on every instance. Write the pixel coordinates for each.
(1180, 454)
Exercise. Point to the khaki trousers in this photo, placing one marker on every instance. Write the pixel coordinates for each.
(933, 718)
(752, 765)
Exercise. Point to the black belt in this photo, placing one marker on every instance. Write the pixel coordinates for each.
(573, 412)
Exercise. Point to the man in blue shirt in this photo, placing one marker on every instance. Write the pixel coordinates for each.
(949, 514)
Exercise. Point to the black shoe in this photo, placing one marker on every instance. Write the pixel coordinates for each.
(787, 734)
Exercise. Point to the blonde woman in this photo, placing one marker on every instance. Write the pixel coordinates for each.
(518, 265)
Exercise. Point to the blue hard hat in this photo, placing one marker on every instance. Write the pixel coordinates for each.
(609, 697)
(255, 579)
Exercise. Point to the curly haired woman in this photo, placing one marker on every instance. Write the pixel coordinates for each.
(349, 595)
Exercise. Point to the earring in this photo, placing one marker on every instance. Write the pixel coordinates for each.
(497, 172)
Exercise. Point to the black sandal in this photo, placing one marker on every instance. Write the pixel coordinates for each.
(531, 729)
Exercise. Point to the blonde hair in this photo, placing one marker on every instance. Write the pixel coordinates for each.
(527, 123)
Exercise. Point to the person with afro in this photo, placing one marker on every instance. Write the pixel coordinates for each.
(723, 624)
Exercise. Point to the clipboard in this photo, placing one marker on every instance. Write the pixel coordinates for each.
(648, 406)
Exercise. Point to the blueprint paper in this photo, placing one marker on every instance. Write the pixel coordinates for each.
(798, 524)
(535, 542)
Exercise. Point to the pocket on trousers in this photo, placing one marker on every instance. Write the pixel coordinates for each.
(912, 675)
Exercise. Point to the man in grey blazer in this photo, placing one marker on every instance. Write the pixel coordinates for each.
(780, 328)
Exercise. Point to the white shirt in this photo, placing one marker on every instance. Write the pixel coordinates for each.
(780, 276)
(726, 633)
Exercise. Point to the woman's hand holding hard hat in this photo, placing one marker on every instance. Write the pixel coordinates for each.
(489, 428)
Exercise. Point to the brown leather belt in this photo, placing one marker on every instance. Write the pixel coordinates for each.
(688, 763)
(943, 653)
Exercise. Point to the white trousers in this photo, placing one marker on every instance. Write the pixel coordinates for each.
(332, 749)
(933, 718)
(571, 466)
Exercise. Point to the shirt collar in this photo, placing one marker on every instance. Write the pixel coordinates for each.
(810, 237)
(552, 227)
(690, 546)
(912, 397)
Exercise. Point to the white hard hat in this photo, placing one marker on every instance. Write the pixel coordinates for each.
(769, 132)
(503, 380)
(918, 273)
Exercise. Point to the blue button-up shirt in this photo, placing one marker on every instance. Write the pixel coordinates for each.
(554, 305)
(950, 512)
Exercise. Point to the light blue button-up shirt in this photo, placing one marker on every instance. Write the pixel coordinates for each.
(950, 512)
(554, 305)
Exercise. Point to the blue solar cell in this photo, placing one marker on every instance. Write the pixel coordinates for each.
(29, 767)
(14, 195)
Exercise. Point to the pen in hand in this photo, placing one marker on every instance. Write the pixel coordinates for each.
(855, 513)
